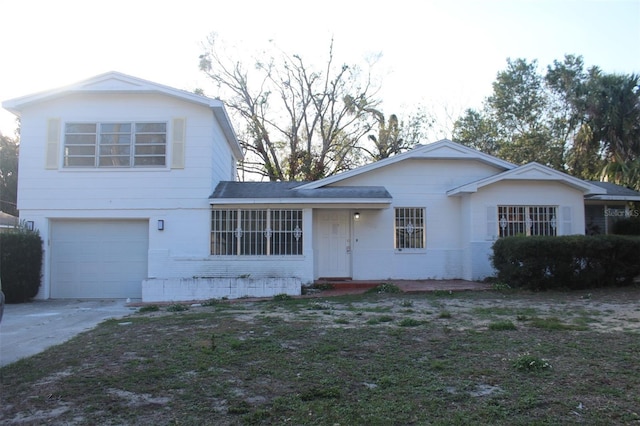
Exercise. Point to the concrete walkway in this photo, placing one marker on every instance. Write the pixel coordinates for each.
(29, 328)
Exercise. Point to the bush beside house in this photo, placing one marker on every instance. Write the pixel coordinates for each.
(630, 226)
(20, 264)
(573, 262)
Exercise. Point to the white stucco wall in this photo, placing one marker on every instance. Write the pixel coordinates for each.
(416, 183)
(458, 244)
(477, 248)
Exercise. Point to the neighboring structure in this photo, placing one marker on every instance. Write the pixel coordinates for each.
(132, 186)
(7, 222)
(603, 210)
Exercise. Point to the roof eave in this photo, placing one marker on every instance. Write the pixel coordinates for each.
(613, 197)
(305, 201)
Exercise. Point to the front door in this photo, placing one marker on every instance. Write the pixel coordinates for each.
(334, 244)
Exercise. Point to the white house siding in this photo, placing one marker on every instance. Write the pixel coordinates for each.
(478, 249)
(177, 196)
(416, 183)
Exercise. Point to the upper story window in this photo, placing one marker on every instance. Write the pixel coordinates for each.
(409, 228)
(527, 220)
(115, 144)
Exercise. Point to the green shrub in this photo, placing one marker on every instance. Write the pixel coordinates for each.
(20, 264)
(628, 226)
(573, 262)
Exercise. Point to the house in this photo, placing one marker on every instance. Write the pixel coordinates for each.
(132, 186)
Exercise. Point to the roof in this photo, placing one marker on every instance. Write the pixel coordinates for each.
(614, 192)
(116, 82)
(7, 220)
(228, 192)
(440, 150)
(532, 172)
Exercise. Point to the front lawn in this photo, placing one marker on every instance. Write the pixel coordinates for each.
(375, 359)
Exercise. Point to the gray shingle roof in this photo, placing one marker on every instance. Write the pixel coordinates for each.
(278, 190)
(614, 190)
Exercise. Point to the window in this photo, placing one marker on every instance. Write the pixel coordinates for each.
(115, 144)
(527, 220)
(409, 228)
(256, 232)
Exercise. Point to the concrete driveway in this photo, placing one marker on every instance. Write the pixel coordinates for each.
(29, 328)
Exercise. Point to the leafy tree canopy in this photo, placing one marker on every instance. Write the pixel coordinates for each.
(582, 121)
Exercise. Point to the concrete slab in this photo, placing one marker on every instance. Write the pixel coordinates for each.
(29, 328)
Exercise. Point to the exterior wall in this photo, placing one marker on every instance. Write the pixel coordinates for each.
(175, 255)
(177, 196)
(416, 183)
(191, 289)
(484, 230)
(458, 241)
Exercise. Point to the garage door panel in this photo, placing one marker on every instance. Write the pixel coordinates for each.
(98, 259)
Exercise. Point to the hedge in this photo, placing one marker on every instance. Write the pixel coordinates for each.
(569, 262)
(20, 264)
(630, 226)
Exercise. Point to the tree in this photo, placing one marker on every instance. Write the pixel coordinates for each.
(583, 121)
(8, 174)
(603, 118)
(514, 123)
(299, 122)
(395, 135)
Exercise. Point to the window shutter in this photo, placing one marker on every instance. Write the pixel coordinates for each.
(492, 223)
(53, 143)
(566, 220)
(177, 143)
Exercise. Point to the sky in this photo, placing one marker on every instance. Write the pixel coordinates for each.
(440, 54)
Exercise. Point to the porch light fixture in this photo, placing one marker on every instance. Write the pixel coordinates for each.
(30, 225)
(161, 225)
(356, 216)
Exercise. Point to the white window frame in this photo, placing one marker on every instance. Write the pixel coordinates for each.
(409, 229)
(256, 232)
(514, 220)
(123, 155)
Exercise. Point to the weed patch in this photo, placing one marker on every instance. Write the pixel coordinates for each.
(529, 362)
(502, 326)
(178, 307)
(409, 322)
(385, 288)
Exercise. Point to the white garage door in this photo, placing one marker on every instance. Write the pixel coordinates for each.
(98, 258)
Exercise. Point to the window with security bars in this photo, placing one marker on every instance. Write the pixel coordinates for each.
(267, 232)
(115, 144)
(409, 228)
(527, 220)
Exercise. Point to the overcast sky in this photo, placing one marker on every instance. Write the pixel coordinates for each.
(441, 53)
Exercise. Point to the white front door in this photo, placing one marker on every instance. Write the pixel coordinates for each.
(334, 244)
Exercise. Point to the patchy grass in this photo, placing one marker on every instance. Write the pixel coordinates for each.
(502, 325)
(368, 362)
